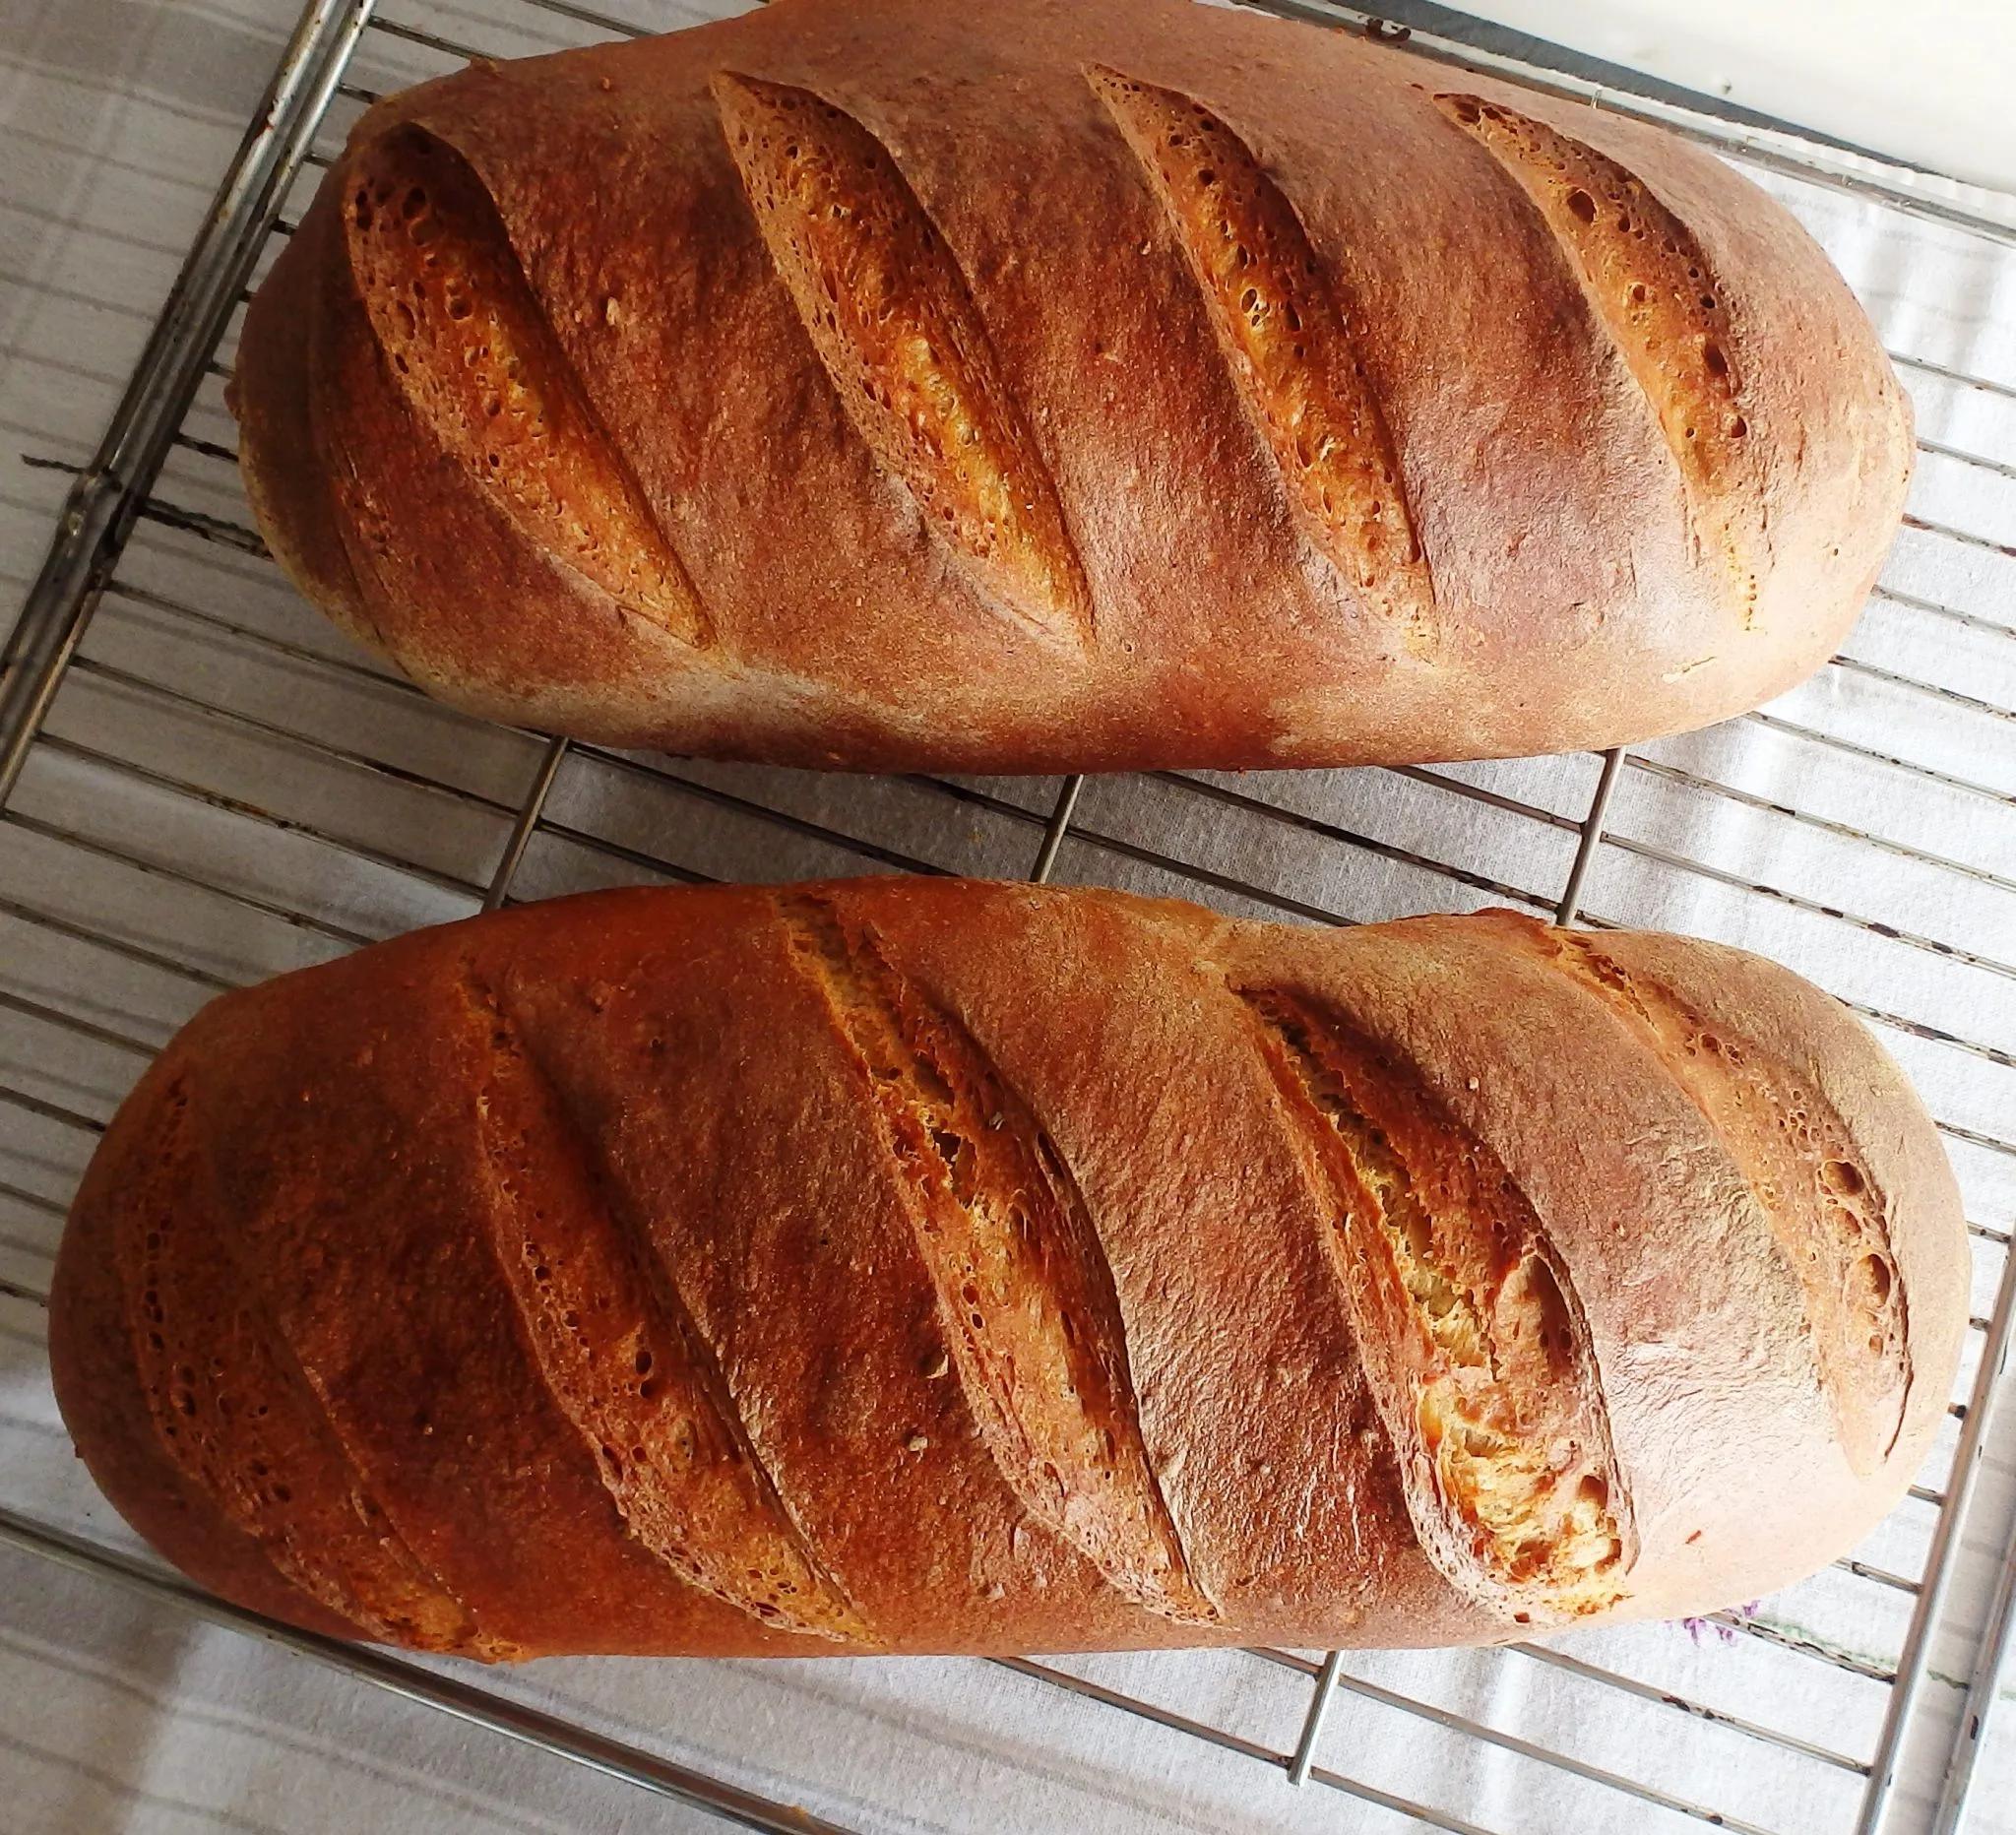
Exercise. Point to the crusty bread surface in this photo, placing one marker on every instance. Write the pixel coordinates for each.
(1026, 384)
(938, 1266)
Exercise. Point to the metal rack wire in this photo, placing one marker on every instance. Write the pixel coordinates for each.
(188, 627)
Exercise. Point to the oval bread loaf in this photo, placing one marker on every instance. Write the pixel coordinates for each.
(938, 1266)
(1033, 386)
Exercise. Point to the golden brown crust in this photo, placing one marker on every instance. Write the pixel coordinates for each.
(295, 503)
(900, 340)
(1865, 1142)
(1802, 1159)
(93, 1365)
(235, 1412)
(940, 1266)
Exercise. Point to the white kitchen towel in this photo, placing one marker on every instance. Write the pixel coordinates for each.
(227, 788)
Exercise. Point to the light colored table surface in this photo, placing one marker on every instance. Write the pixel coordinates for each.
(115, 118)
(1928, 84)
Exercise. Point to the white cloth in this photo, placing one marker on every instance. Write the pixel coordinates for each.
(116, 1713)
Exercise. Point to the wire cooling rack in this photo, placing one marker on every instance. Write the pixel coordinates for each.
(201, 783)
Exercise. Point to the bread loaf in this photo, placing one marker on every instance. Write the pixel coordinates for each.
(911, 1265)
(1033, 386)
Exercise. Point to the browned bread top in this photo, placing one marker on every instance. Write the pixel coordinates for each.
(939, 1266)
(1028, 385)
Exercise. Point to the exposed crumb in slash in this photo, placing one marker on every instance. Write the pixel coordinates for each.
(474, 355)
(1650, 284)
(1499, 1391)
(1808, 1177)
(1686, 669)
(623, 1361)
(1025, 1293)
(1290, 338)
(893, 320)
